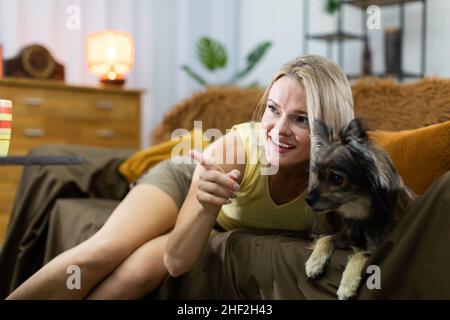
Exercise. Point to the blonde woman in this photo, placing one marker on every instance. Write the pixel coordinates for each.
(163, 223)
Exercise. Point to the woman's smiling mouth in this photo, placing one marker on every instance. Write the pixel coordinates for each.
(280, 147)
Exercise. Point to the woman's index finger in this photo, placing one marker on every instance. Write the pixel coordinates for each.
(204, 160)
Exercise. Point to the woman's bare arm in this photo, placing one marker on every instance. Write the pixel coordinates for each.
(212, 184)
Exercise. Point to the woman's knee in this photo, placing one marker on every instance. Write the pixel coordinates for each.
(144, 269)
(132, 279)
(137, 281)
(99, 252)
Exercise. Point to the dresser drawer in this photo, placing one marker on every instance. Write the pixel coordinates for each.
(107, 107)
(30, 101)
(33, 130)
(71, 106)
(111, 134)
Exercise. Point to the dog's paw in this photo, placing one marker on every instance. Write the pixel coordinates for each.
(347, 290)
(315, 266)
(351, 277)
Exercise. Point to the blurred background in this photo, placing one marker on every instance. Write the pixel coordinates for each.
(166, 34)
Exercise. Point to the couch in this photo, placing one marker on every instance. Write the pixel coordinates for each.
(59, 207)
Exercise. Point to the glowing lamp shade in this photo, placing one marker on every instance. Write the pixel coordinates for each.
(110, 55)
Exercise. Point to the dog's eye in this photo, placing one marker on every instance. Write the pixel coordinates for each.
(335, 179)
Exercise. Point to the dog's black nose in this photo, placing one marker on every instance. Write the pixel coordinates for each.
(311, 197)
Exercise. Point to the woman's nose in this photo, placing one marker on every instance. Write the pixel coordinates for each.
(282, 127)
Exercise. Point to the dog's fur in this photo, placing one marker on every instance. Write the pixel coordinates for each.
(355, 179)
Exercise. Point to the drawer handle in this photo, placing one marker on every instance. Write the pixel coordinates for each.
(33, 132)
(33, 102)
(105, 134)
(105, 105)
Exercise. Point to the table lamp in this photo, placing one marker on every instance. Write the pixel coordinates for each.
(110, 55)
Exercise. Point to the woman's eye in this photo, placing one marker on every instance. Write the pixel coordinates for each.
(335, 179)
(301, 119)
(272, 108)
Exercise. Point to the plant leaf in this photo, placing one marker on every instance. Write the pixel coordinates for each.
(252, 59)
(211, 53)
(257, 53)
(331, 6)
(193, 74)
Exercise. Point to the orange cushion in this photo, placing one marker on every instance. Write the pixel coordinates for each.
(138, 163)
(420, 155)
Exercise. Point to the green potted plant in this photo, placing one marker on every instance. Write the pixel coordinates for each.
(331, 6)
(213, 56)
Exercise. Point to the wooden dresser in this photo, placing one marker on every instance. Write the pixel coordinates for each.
(48, 112)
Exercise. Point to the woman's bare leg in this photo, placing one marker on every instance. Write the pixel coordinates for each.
(146, 213)
(139, 274)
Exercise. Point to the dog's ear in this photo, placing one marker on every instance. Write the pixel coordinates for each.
(353, 131)
(322, 134)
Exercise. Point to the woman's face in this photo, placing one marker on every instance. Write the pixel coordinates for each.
(286, 122)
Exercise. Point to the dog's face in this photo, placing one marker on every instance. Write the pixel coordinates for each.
(343, 166)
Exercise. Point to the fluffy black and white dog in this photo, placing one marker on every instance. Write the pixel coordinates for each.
(355, 179)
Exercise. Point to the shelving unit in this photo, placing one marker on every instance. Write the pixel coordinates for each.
(341, 36)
